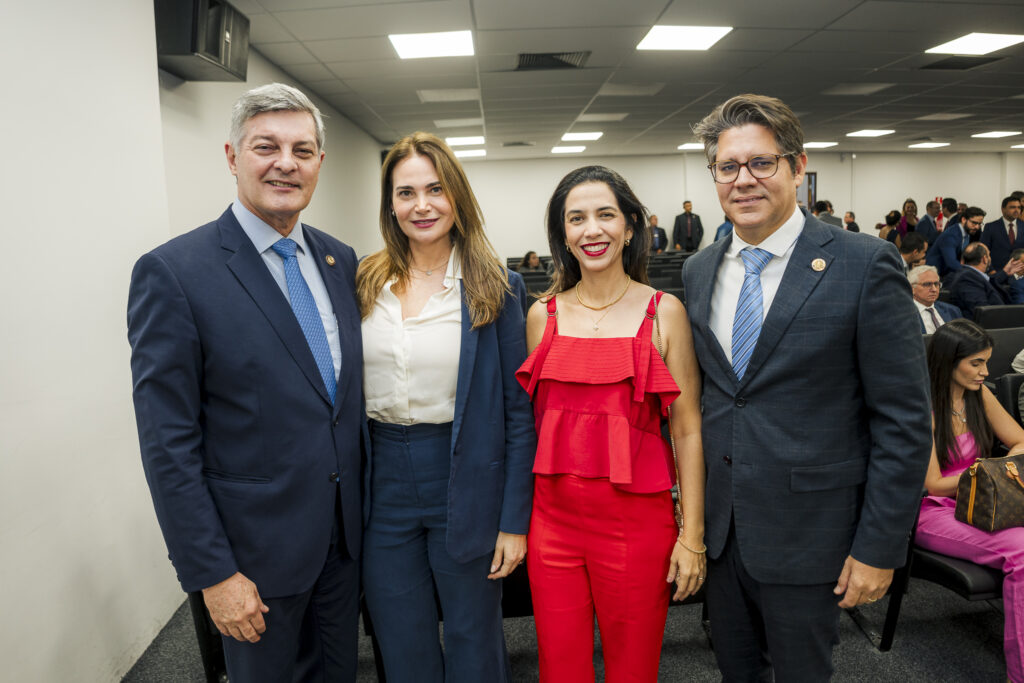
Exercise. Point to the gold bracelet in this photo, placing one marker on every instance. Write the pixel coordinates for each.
(679, 540)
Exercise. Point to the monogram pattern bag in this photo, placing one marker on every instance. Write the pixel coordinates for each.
(990, 494)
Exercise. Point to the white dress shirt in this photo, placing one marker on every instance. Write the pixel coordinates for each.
(411, 366)
(264, 237)
(926, 318)
(729, 279)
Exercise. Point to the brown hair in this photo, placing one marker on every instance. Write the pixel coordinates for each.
(770, 112)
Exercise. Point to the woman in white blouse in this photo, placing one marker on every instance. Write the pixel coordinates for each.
(448, 485)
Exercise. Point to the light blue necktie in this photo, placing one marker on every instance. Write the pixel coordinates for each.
(746, 326)
(307, 313)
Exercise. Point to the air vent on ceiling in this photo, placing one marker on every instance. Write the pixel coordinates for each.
(533, 61)
(961, 63)
(518, 143)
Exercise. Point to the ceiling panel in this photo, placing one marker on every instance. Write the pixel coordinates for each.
(540, 14)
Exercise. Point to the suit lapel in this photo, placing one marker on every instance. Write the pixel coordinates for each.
(467, 360)
(699, 307)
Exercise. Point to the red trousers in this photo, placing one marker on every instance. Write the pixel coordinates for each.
(593, 548)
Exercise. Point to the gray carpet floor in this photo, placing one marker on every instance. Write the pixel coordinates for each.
(940, 637)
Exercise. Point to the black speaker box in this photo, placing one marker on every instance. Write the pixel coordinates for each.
(202, 40)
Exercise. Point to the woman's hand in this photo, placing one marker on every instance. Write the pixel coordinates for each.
(687, 568)
(509, 551)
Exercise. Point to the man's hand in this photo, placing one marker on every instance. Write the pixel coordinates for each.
(236, 608)
(509, 551)
(861, 583)
(1014, 267)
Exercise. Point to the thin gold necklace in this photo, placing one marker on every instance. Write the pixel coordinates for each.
(616, 300)
(430, 272)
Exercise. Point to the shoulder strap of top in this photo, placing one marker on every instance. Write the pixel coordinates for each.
(642, 348)
(545, 345)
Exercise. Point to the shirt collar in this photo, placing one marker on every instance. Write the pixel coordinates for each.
(921, 307)
(263, 236)
(777, 243)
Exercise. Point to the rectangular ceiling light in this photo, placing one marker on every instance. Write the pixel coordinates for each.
(600, 118)
(869, 133)
(469, 140)
(997, 134)
(444, 44)
(942, 117)
(580, 137)
(568, 149)
(928, 145)
(977, 44)
(458, 123)
(469, 153)
(819, 145)
(691, 145)
(1016, 146)
(682, 37)
(856, 88)
(449, 95)
(627, 90)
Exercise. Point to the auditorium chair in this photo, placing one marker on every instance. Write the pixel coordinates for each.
(999, 317)
(1007, 391)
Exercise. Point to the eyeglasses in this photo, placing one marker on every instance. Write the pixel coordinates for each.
(937, 285)
(976, 223)
(762, 166)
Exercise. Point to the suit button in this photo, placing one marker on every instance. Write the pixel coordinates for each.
(333, 478)
(727, 459)
(740, 402)
(336, 420)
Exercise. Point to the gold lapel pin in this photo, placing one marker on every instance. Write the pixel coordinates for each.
(818, 265)
(330, 260)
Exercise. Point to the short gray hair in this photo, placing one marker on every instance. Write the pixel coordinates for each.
(272, 97)
(917, 271)
(770, 112)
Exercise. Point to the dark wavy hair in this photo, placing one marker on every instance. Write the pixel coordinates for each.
(950, 344)
(565, 267)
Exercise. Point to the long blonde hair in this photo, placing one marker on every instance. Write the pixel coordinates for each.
(484, 279)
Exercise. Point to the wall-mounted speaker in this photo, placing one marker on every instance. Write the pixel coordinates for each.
(202, 40)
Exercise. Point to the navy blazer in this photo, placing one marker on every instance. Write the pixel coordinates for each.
(242, 449)
(490, 488)
(820, 451)
(972, 288)
(926, 226)
(994, 237)
(945, 253)
(946, 313)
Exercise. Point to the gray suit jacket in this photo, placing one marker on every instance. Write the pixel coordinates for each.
(820, 451)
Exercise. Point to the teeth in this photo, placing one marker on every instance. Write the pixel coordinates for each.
(594, 247)
(278, 183)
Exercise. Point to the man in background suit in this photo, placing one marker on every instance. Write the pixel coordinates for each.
(1005, 234)
(247, 369)
(950, 211)
(974, 286)
(687, 231)
(850, 221)
(794, 323)
(926, 225)
(949, 245)
(659, 240)
(913, 249)
(925, 286)
(823, 211)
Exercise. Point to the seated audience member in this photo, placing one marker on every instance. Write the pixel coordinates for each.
(966, 418)
(950, 211)
(724, 229)
(889, 231)
(913, 248)
(927, 226)
(823, 210)
(949, 245)
(973, 287)
(659, 238)
(924, 285)
(850, 222)
(530, 264)
(1004, 234)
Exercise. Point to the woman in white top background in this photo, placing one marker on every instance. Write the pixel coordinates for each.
(448, 483)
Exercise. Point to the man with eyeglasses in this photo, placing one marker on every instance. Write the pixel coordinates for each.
(1004, 234)
(815, 442)
(925, 286)
(949, 246)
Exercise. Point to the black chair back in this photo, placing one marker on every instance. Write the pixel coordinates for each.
(1007, 391)
(1008, 343)
(999, 317)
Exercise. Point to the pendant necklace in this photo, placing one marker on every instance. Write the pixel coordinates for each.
(960, 413)
(607, 307)
(430, 272)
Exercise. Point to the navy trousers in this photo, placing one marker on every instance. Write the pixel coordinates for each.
(404, 560)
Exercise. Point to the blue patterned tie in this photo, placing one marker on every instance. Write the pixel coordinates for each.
(746, 326)
(307, 313)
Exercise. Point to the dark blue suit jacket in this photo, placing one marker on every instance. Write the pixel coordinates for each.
(493, 437)
(820, 451)
(242, 449)
(945, 253)
(972, 288)
(946, 312)
(994, 237)
(926, 226)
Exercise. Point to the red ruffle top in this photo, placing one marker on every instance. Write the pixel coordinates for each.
(598, 405)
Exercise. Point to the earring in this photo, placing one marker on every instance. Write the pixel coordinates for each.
(627, 242)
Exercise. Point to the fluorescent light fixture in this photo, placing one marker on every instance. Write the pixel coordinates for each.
(469, 153)
(444, 44)
(470, 140)
(628, 90)
(682, 37)
(869, 133)
(600, 118)
(997, 134)
(458, 123)
(977, 44)
(691, 145)
(819, 145)
(449, 95)
(942, 117)
(568, 149)
(856, 88)
(580, 137)
(928, 145)
(1016, 146)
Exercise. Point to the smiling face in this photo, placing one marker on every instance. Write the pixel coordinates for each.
(595, 227)
(970, 372)
(423, 211)
(757, 206)
(277, 164)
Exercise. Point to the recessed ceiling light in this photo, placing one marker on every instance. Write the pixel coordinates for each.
(977, 44)
(627, 90)
(570, 149)
(458, 123)
(449, 95)
(942, 117)
(1016, 146)
(819, 145)
(464, 153)
(600, 118)
(928, 145)
(869, 133)
(856, 88)
(691, 145)
(997, 134)
(579, 137)
(444, 44)
(682, 37)
(470, 140)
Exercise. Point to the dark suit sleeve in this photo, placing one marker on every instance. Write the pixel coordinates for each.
(167, 375)
(898, 411)
(699, 230)
(520, 434)
(947, 254)
(677, 227)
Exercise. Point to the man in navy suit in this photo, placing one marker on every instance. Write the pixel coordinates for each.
(1004, 235)
(247, 370)
(926, 225)
(949, 245)
(973, 286)
(950, 211)
(659, 239)
(932, 313)
(815, 442)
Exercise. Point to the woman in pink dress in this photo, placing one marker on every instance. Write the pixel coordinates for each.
(966, 418)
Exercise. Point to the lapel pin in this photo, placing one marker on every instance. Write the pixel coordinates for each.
(818, 265)
(330, 260)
